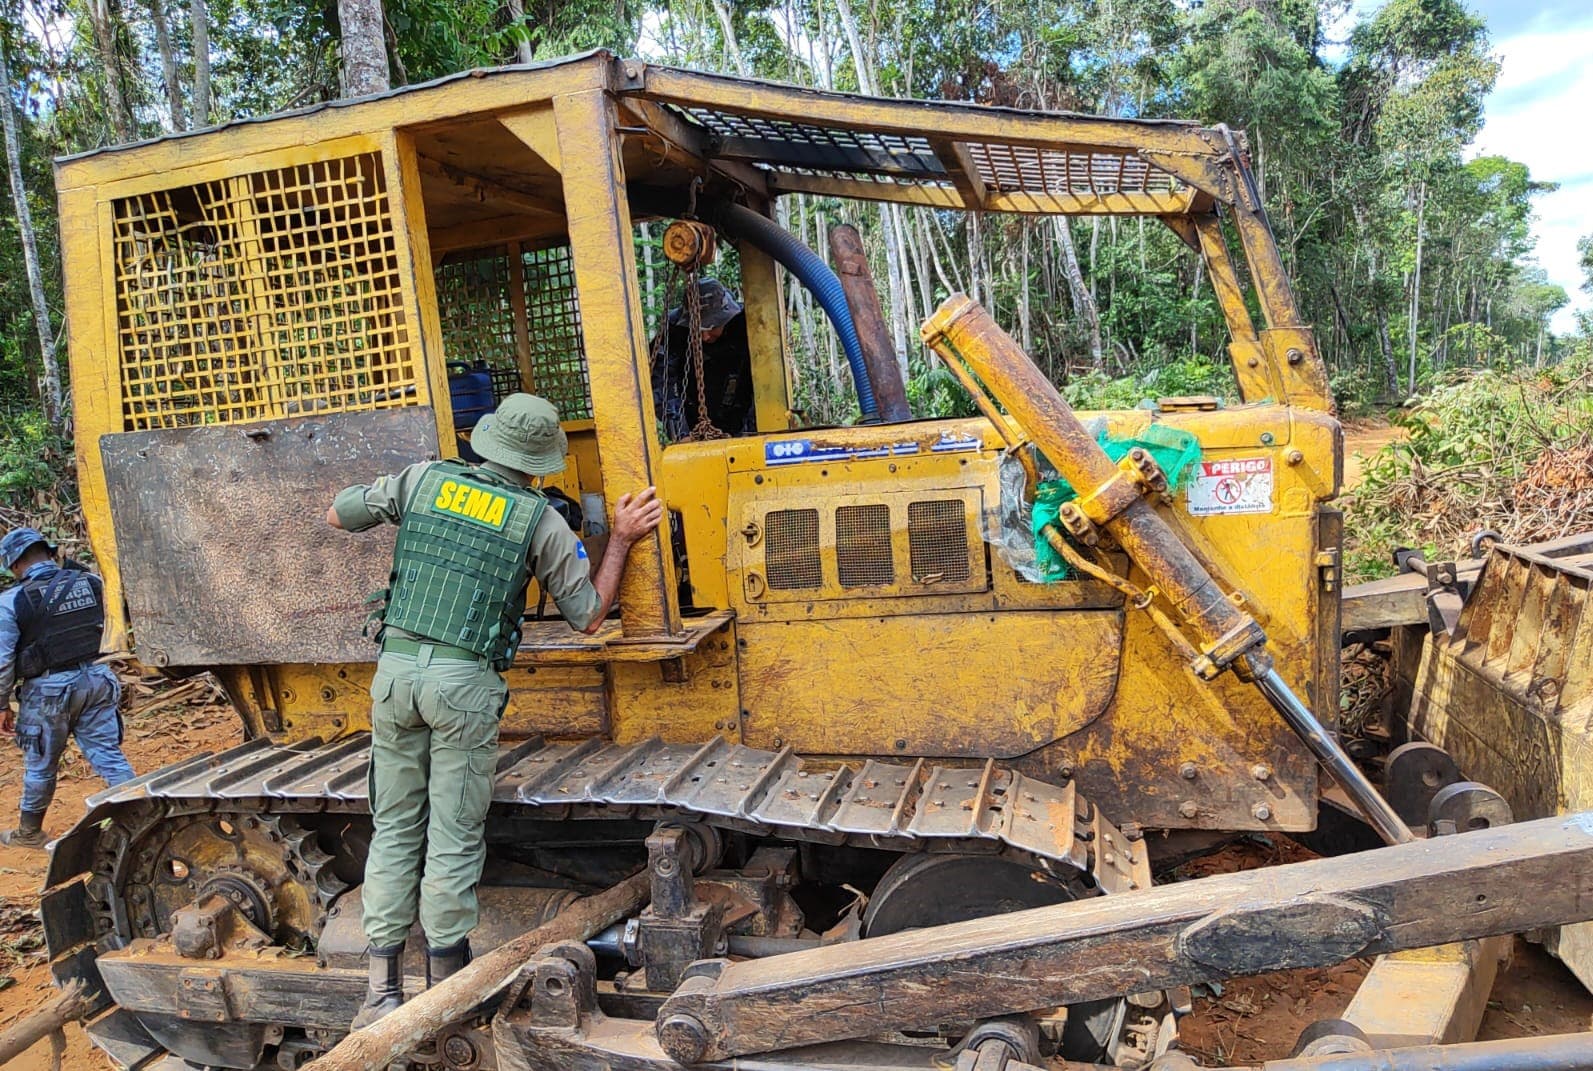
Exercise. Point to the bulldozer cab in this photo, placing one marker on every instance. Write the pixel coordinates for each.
(263, 313)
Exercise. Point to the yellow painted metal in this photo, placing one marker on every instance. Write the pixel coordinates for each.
(1427, 996)
(958, 122)
(200, 335)
(1022, 202)
(616, 341)
(414, 255)
(927, 684)
(537, 128)
(968, 661)
(482, 93)
(765, 304)
(1509, 693)
(694, 697)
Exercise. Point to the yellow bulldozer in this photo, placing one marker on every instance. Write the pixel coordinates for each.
(900, 801)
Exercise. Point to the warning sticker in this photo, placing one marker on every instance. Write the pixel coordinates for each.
(1238, 485)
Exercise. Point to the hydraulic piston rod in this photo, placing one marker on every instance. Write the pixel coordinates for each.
(1114, 499)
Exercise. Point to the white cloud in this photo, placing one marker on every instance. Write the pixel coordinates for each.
(1533, 116)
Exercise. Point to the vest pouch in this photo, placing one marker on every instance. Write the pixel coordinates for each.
(31, 663)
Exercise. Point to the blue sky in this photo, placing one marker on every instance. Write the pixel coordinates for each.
(1536, 114)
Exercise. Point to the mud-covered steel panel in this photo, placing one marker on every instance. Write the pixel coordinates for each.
(225, 553)
(966, 685)
(1509, 693)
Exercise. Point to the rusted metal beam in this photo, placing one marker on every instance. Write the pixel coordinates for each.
(1021, 202)
(692, 141)
(1309, 914)
(964, 173)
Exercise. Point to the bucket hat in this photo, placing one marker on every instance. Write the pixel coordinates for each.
(718, 306)
(17, 542)
(523, 434)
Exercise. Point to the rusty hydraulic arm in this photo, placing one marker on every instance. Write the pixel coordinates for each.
(1115, 499)
(1309, 914)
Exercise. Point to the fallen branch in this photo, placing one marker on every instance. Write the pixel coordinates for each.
(73, 1004)
(403, 1030)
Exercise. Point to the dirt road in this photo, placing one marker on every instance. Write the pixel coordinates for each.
(1363, 437)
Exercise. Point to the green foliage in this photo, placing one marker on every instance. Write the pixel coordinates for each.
(1189, 375)
(934, 392)
(32, 455)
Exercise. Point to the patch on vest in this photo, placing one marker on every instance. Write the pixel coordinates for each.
(480, 505)
(81, 597)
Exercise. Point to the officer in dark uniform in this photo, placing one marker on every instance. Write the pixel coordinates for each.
(50, 627)
(726, 367)
(470, 538)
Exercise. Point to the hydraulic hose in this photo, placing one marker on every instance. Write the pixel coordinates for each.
(742, 223)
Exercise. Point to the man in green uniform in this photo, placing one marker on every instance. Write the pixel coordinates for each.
(469, 540)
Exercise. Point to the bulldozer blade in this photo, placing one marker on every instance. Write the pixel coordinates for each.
(1311, 914)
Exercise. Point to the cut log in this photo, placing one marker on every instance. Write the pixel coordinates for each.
(1509, 879)
(403, 1030)
(73, 1004)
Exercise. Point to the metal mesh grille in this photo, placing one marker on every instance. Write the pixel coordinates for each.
(863, 555)
(806, 149)
(781, 141)
(261, 296)
(1022, 167)
(937, 534)
(477, 317)
(791, 549)
(553, 321)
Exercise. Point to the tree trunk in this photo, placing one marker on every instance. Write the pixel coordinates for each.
(1083, 300)
(1025, 331)
(364, 47)
(50, 379)
(168, 63)
(522, 47)
(199, 24)
(99, 12)
(890, 229)
(1416, 284)
(1390, 366)
(732, 46)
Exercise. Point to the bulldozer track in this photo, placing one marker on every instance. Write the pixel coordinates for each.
(99, 871)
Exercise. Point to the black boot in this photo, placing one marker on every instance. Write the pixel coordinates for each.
(444, 962)
(29, 832)
(386, 987)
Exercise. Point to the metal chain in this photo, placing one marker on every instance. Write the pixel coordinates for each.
(704, 428)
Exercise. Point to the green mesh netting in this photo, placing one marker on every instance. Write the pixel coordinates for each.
(1173, 450)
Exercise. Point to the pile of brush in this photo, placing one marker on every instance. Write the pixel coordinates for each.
(1502, 451)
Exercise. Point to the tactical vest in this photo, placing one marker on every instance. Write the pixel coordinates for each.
(60, 616)
(459, 567)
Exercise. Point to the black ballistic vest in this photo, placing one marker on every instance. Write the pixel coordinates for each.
(61, 616)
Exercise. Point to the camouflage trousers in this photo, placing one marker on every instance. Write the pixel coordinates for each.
(434, 747)
(79, 704)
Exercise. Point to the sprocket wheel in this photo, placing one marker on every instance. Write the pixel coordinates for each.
(933, 889)
(269, 866)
